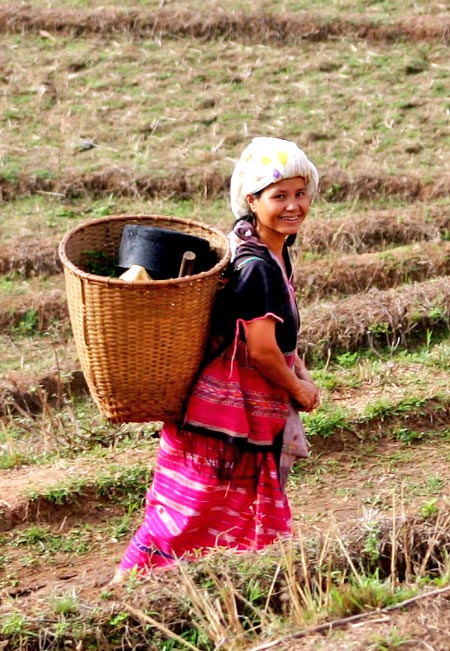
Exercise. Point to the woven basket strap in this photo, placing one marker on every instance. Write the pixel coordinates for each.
(246, 261)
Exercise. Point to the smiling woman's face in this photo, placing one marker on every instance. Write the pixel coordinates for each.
(280, 209)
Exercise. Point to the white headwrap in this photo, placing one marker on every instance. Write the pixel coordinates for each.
(265, 161)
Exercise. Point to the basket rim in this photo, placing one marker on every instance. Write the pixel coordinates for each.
(106, 280)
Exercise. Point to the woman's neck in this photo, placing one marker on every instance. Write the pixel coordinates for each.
(274, 242)
(275, 246)
(276, 249)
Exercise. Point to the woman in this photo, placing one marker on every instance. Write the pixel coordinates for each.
(219, 477)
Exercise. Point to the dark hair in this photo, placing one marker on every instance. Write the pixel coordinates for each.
(291, 239)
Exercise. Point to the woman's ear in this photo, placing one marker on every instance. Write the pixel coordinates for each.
(251, 202)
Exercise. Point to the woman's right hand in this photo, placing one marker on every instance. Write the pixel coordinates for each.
(307, 397)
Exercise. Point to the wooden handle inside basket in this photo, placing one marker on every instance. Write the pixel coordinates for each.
(187, 264)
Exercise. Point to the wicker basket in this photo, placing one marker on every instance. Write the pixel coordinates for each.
(139, 345)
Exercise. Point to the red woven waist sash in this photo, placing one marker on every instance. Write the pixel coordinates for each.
(231, 398)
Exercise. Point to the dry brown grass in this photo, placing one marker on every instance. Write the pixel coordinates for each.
(338, 275)
(207, 182)
(375, 318)
(254, 27)
(343, 239)
(339, 186)
(390, 318)
(119, 182)
(374, 230)
(29, 257)
(311, 581)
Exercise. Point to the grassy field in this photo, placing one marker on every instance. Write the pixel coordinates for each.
(142, 108)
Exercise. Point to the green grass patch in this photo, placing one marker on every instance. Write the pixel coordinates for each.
(327, 421)
(330, 419)
(53, 217)
(44, 542)
(116, 484)
(384, 408)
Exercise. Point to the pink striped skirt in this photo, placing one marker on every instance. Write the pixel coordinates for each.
(189, 510)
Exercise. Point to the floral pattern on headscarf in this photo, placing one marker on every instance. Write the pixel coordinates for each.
(265, 161)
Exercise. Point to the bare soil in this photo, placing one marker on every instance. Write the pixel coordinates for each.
(17, 484)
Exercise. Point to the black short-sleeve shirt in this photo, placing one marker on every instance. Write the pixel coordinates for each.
(256, 288)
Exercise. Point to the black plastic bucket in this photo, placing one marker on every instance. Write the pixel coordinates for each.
(160, 250)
